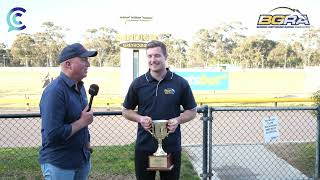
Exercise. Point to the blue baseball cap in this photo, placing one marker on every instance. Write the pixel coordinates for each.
(75, 50)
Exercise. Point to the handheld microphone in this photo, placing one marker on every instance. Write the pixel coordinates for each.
(93, 91)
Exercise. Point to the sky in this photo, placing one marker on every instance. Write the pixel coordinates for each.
(180, 18)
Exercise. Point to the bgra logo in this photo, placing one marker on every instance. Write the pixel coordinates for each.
(283, 17)
(12, 21)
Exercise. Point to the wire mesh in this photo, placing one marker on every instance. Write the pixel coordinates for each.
(242, 148)
(239, 146)
(112, 137)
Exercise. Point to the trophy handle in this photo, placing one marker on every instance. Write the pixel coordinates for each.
(151, 131)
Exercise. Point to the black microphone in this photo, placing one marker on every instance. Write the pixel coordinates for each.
(93, 91)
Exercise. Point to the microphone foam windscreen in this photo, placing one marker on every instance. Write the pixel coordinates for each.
(93, 90)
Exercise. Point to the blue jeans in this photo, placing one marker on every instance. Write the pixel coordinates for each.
(51, 172)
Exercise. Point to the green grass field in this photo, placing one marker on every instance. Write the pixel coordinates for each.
(24, 85)
(107, 162)
(300, 155)
(21, 163)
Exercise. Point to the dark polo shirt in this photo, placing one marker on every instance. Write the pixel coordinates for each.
(159, 100)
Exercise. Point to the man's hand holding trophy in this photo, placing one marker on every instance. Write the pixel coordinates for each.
(160, 160)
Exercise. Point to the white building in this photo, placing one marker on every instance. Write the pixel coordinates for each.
(133, 38)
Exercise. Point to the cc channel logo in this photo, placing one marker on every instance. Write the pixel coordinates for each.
(13, 22)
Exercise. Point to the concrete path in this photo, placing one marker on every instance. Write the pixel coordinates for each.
(245, 162)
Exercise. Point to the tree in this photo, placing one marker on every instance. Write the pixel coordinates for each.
(231, 35)
(316, 97)
(215, 46)
(196, 56)
(311, 43)
(315, 58)
(298, 49)
(248, 52)
(4, 55)
(278, 56)
(177, 50)
(49, 43)
(180, 48)
(39, 49)
(43, 50)
(22, 50)
(104, 41)
(204, 47)
(264, 46)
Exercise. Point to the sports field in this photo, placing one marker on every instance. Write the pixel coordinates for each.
(22, 87)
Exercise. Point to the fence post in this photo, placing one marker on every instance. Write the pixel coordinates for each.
(210, 118)
(317, 145)
(204, 118)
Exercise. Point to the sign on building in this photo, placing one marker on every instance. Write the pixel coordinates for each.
(206, 80)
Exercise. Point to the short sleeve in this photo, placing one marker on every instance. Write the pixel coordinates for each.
(187, 99)
(131, 100)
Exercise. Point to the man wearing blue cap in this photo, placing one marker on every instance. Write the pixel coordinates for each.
(65, 150)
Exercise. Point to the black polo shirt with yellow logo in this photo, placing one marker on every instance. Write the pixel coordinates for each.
(159, 100)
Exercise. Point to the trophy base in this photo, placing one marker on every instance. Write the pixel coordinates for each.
(160, 163)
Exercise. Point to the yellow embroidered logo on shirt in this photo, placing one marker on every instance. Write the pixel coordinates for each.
(169, 91)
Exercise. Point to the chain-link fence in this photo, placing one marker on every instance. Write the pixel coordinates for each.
(220, 144)
(262, 143)
(112, 138)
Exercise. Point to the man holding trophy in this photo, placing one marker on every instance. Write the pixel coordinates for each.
(158, 94)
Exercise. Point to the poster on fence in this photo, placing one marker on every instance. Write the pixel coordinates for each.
(270, 128)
